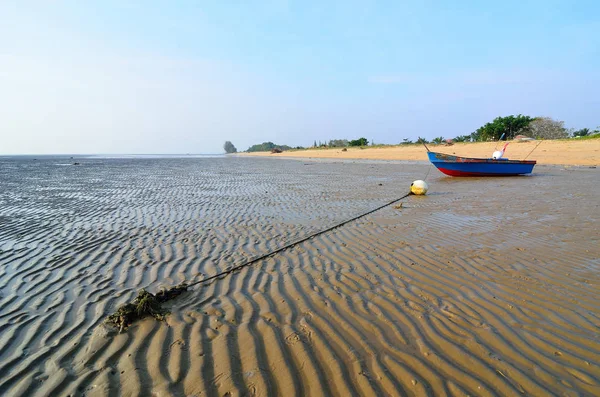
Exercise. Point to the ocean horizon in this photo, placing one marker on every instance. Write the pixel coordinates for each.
(113, 156)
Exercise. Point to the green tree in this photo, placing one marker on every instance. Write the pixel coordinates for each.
(229, 148)
(510, 126)
(582, 132)
(406, 141)
(338, 143)
(422, 140)
(438, 140)
(359, 142)
(462, 138)
(267, 147)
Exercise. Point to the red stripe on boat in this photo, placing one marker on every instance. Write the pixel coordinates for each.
(463, 173)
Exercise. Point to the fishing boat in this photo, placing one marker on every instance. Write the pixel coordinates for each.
(467, 166)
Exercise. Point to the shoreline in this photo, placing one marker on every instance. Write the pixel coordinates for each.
(559, 152)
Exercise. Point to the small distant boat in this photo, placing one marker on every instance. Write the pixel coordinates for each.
(467, 166)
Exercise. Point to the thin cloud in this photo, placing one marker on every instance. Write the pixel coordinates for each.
(391, 79)
(476, 77)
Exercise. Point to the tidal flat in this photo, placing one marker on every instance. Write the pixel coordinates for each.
(486, 286)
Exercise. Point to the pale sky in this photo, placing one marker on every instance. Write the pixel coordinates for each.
(184, 76)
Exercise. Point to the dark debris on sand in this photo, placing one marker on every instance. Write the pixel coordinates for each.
(144, 305)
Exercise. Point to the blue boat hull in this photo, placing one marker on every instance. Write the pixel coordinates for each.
(464, 166)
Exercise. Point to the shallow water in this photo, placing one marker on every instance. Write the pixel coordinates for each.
(419, 294)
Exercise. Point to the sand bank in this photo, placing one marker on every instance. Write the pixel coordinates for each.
(567, 152)
(484, 287)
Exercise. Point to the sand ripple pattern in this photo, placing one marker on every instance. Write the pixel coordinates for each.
(484, 287)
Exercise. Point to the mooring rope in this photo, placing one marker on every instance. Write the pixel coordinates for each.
(148, 304)
(533, 149)
(428, 170)
(290, 245)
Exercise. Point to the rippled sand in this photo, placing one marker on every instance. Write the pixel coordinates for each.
(484, 287)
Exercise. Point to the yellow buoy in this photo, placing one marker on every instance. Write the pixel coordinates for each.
(418, 187)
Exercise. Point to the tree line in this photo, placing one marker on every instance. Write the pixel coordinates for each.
(504, 128)
(261, 147)
(270, 146)
(267, 147)
(509, 127)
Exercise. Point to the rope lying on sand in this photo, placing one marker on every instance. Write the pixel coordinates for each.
(148, 305)
(290, 245)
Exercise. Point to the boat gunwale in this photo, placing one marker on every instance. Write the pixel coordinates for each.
(450, 158)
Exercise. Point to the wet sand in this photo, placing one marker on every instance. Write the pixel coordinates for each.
(487, 286)
(563, 152)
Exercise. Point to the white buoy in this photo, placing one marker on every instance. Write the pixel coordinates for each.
(499, 153)
(418, 187)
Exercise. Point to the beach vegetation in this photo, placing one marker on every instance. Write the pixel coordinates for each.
(508, 127)
(338, 143)
(581, 132)
(462, 138)
(229, 148)
(593, 135)
(267, 147)
(359, 142)
(406, 141)
(422, 140)
(438, 140)
(548, 128)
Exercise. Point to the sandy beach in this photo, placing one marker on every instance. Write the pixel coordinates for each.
(561, 152)
(484, 287)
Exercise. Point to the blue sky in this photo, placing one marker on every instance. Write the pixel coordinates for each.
(184, 76)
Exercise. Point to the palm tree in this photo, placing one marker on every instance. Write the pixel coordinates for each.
(462, 138)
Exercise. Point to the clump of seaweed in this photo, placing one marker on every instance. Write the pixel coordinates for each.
(144, 305)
